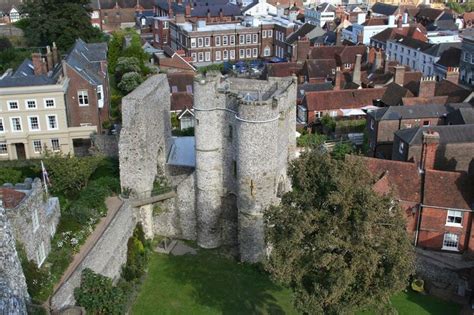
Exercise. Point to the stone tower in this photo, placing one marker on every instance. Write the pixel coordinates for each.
(245, 137)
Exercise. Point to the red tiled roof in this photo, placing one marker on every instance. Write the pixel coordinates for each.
(448, 189)
(409, 101)
(319, 68)
(403, 177)
(11, 198)
(181, 80)
(374, 21)
(181, 100)
(283, 69)
(342, 99)
(348, 54)
(455, 92)
(325, 52)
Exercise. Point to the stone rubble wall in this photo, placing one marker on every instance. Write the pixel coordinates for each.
(106, 144)
(13, 290)
(106, 257)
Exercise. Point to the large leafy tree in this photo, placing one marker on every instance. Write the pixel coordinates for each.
(339, 245)
(60, 21)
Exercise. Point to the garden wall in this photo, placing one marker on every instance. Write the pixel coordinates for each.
(106, 257)
(106, 144)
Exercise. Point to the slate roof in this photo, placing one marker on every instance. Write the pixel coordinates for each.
(394, 94)
(396, 33)
(429, 13)
(415, 111)
(437, 49)
(413, 43)
(124, 4)
(451, 57)
(85, 59)
(309, 87)
(461, 116)
(300, 32)
(455, 92)
(447, 134)
(24, 76)
(200, 7)
(384, 9)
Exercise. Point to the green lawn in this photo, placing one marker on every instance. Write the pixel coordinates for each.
(208, 284)
(211, 284)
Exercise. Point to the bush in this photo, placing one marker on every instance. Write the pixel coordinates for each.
(98, 295)
(129, 82)
(310, 140)
(187, 132)
(329, 123)
(137, 255)
(340, 150)
(5, 44)
(8, 175)
(126, 64)
(37, 279)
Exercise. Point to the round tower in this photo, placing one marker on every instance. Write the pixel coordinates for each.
(256, 162)
(208, 123)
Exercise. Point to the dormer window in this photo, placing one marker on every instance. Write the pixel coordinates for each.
(401, 147)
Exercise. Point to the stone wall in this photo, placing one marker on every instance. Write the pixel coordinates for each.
(106, 144)
(145, 134)
(106, 257)
(48, 213)
(13, 291)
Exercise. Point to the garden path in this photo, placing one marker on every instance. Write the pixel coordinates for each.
(113, 205)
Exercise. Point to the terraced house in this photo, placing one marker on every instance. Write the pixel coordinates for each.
(37, 111)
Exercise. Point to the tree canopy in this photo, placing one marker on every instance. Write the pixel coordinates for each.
(339, 245)
(60, 21)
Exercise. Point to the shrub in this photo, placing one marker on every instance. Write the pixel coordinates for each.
(98, 295)
(310, 140)
(340, 150)
(129, 82)
(187, 132)
(329, 123)
(126, 64)
(107, 124)
(37, 279)
(137, 255)
(8, 175)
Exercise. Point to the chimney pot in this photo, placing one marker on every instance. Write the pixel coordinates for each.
(399, 76)
(427, 87)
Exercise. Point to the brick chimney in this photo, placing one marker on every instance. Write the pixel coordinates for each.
(221, 14)
(49, 58)
(56, 56)
(187, 9)
(356, 72)
(39, 66)
(399, 76)
(377, 61)
(428, 153)
(427, 87)
(387, 61)
(338, 38)
(338, 79)
(452, 74)
(302, 48)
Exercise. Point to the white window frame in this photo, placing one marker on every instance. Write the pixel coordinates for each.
(4, 145)
(266, 51)
(241, 39)
(11, 102)
(451, 215)
(207, 41)
(48, 122)
(52, 145)
(225, 55)
(447, 242)
(50, 99)
(83, 93)
(30, 125)
(2, 125)
(194, 56)
(35, 147)
(225, 40)
(35, 219)
(241, 53)
(248, 38)
(333, 113)
(12, 125)
(218, 55)
(200, 57)
(27, 106)
(193, 42)
(40, 254)
(232, 40)
(207, 56)
(269, 33)
(217, 40)
(255, 38)
(200, 42)
(232, 54)
(255, 52)
(264, 34)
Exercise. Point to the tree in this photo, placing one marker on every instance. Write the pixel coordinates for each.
(60, 21)
(126, 64)
(341, 149)
(9, 175)
(5, 44)
(98, 295)
(69, 174)
(310, 140)
(115, 50)
(129, 82)
(335, 242)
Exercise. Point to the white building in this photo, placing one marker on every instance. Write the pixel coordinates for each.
(260, 8)
(321, 14)
(363, 30)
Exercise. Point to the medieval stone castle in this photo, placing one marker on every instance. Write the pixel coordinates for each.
(227, 175)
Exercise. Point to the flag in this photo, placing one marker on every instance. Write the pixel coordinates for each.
(45, 175)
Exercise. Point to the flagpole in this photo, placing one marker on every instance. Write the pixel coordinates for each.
(43, 171)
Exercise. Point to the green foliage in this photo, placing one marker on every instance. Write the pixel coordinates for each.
(5, 44)
(137, 255)
(456, 7)
(174, 121)
(341, 149)
(115, 50)
(129, 82)
(98, 295)
(205, 69)
(36, 278)
(187, 132)
(9, 175)
(126, 64)
(11, 58)
(310, 140)
(107, 124)
(61, 21)
(69, 174)
(329, 123)
(339, 245)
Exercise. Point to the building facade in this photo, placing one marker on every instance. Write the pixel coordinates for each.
(467, 61)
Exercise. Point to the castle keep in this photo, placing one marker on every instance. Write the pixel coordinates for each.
(244, 140)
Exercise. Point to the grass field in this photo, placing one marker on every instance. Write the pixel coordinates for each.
(212, 284)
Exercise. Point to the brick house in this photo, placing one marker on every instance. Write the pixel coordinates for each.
(384, 122)
(182, 97)
(455, 150)
(87, 96)
(437, 204)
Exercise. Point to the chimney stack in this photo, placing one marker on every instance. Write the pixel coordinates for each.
(39, 66)
(452, 74)
(49, 58)
(378, 61)
(427, 87)
(187, 9)
(221, 14)
(428, 152)
(56, 56)
(399, 76)
(356, 72)
(387, 62)
(399, 22)
(338, 79)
